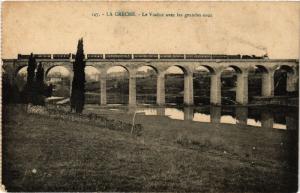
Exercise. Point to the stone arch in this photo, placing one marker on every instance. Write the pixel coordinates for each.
(88, 71)
(229, 84)
(287, 68)
(119, 65)
(285, 80)
(202, 84)
(148, 65)
(21, 79)
(60, 80)
(256, 77)
(19, 68)
(234, 67)
(146, 84)
(55, 66)
(183, 69)
(175, 84)
(92, 84)
(261, 68)
(95, 67)
(117, 84)
(209, 68)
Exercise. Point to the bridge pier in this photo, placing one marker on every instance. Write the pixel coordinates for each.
(242, 88)
(188, 89)
(215, 114)
(267, 120)
(160, 90)
(291, 82)
(71, 81)
(291, 123)
(103, 100)
(267, 88)
(188, 113)
(161, 111)
(241, 114)
(132, 88)
(215, 89)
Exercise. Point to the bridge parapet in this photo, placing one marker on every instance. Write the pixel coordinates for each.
(157, 57)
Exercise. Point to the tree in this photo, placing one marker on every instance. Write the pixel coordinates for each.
(35, 89)
(29, 87)
(77, 94)
(40, 74)
(39, 86)
(31, 70)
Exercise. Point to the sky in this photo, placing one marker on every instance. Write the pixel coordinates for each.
(233, 28)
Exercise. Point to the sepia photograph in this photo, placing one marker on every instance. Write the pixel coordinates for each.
(152, 96)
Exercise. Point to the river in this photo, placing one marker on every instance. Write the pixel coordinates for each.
(276, 117)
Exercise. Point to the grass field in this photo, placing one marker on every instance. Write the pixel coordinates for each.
(44, 154)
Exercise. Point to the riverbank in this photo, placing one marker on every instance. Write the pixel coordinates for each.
(45, 154)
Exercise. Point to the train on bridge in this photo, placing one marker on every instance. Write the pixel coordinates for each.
(144, 56)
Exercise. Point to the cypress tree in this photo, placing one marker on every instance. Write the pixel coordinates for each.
(43, 89)
(30, 70)
(77, 94)
(39, 84)
(40, 74)
(29, 87)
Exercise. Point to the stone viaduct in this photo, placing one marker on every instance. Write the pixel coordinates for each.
(162, 62)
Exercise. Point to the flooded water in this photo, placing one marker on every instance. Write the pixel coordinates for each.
(275, 117)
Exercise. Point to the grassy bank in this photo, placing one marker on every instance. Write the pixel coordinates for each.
(45, 154)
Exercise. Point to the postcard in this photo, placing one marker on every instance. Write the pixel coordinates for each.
(153, 96)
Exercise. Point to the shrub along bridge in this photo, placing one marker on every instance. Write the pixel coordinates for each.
(188, 63)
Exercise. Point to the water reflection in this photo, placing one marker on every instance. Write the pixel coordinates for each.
(201, 117)
(276, 118)
(228, 119)
(254, 123)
